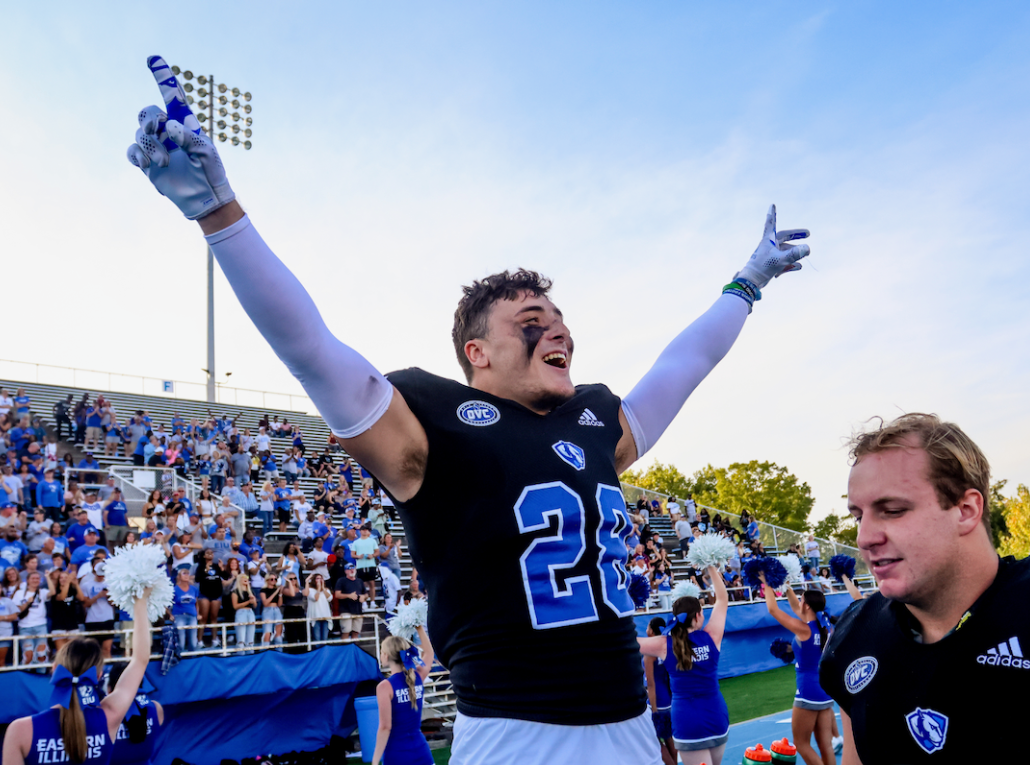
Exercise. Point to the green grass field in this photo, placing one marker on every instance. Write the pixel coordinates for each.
(747, 697)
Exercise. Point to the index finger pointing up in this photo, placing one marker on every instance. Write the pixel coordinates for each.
(172, 93)
(770, 225)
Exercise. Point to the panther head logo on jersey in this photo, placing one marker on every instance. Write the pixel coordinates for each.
(571, 454)
(928, 728)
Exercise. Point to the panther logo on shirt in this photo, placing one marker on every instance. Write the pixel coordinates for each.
(928, 728)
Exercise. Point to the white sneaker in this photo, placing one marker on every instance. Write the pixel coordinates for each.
(838, 743)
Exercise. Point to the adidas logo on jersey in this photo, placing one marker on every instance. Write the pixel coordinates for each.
(589, 418)
(1007, 654)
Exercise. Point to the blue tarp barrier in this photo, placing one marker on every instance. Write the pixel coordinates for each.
(236, 706)
(750, 630)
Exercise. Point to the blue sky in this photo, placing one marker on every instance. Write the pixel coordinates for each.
(628, 150)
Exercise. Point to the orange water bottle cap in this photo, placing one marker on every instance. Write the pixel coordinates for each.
(783, 747)
(758, 754)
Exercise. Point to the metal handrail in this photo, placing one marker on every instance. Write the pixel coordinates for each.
(307, 406)
(223, 650)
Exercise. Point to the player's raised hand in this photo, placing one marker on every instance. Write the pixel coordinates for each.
(775, 254)
(175, 154)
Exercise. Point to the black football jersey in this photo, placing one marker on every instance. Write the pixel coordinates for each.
(519, 532)
(957, 700)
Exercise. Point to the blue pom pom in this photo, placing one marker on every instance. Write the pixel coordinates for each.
(639, 590)
(841, 566)
(782, 650)
(775, 573)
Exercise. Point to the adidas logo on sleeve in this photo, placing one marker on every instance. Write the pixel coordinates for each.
(1007, 654)
(589, 418)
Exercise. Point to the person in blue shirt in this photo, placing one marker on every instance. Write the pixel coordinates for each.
(752, 530)
(78, 726)
(23, 403)
(116, 522)
(399, 738)
(689, 650)
(94, 421)
(659, 696)
(60, 540)
(85, 552)
(12, 549)
(19, 437)
(812, 713)
(88, 462)
(139, 456)
(178, 423)
(77, 531)
(134, 742)
(283, 496)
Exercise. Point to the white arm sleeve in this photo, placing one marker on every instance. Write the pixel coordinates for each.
(351, 395)
(656, 400)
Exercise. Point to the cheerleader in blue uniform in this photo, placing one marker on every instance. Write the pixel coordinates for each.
(813, 707)
(659, 696)
(134, 742)
(400, 740)
(79, 727)
(689, 651)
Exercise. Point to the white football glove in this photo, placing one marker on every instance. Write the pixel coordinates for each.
(175, 154)
(774, 256)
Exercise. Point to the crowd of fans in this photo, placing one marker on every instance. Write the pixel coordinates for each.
(647, 555)
(54, 540)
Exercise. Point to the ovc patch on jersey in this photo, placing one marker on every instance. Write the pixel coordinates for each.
(478, 413)
(571, 454)
(860, 673)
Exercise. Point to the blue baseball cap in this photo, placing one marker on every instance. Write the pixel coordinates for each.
(91, 529)
(348, 566)
(319, 529)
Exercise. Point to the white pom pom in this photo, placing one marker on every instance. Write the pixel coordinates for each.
(793, 566)
(685, 590)
(133, 569)
(408, 618)
(710, 550)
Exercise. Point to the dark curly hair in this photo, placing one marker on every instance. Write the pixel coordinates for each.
(473, 311)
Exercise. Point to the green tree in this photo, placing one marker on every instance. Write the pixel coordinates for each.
(665, 479)
(996, 508)
(1016, 510)
(769, 492)
(838, 528)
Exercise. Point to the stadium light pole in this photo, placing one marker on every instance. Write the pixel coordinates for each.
(224, 102)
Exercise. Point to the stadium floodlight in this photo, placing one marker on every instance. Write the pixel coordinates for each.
(208, 90)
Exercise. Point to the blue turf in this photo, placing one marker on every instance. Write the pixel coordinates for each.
(761, 730)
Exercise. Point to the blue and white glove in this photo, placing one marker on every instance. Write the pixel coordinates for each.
(175, 154)
(774, 256)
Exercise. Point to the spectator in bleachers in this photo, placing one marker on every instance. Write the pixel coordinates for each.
(206, 506)
(12, 486)
(292, 560)
(31, 601)
(266, 507)
(283, 497)
(38, 531)
(366, 553)
(184, 610)
(319, 611)
(301, 506)
(323, 466)
(46, 554)
(244, 601)
(100, 615)
(263, 441)
(184, 552)
(6, 402)
(293, 608)
(22, 403)
(94, 431)
(11, 580)
(116, 520)
(289, 466)
(12, 549)
(219, 469)
(210, 579)
(31, 563)
(390, 553)
(90, 546)
(342, 545)
(241, 465)
(245, 499)
(377, 519)
(271, 605)
(154, 508)
(306, 529)
(65, 599)
(270, 467)
(221, 544)
(351, 595)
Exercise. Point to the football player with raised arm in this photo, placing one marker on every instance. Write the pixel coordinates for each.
(542, 653)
